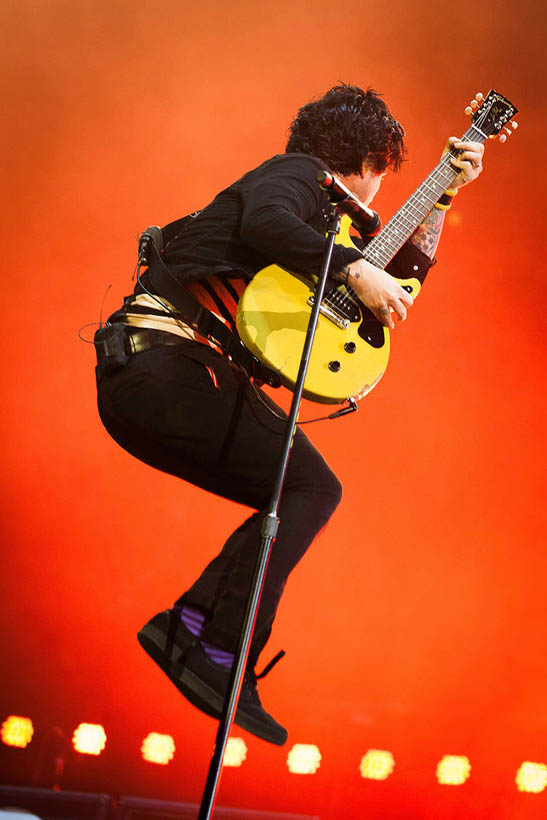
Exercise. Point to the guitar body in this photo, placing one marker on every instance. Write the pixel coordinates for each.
(351, 348)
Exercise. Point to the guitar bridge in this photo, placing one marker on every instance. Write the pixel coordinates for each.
(332, 315)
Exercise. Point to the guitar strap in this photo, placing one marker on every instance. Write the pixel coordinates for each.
(165, 283)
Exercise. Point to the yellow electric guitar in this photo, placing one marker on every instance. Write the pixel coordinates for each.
(351, 348)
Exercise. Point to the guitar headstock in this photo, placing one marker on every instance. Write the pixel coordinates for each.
(492, 113)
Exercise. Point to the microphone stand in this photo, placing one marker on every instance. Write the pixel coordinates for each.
(270, 525)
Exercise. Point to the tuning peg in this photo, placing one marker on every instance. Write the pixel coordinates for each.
(502, 137)
(507, 130)
(474, 104)
(514, 125)
(468, 110)
(479, 97)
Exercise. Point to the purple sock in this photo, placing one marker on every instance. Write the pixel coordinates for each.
(193, 620)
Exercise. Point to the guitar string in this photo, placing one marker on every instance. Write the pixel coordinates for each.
(418, 202)
(400, 226)
(383, 247)
(396, 231)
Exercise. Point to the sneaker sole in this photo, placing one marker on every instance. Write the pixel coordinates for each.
(194, 689)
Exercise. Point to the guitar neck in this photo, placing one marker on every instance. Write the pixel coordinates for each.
(381, 250)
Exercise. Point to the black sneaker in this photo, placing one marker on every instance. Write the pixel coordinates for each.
(204, 683)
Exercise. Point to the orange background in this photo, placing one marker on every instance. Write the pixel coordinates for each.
(416, 623)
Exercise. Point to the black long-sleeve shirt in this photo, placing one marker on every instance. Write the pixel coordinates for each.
(276, 213)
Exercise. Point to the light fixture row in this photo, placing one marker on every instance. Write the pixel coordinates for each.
(303, 758)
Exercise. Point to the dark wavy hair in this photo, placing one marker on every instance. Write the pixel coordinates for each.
(346, 128)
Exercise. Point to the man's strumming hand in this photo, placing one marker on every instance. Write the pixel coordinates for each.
(379, 291)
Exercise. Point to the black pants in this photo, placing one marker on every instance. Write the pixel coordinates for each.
(188, 411)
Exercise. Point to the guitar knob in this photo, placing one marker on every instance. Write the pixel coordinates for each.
(334, 366)
(350, 347)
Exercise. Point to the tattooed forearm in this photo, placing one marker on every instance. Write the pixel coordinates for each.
(426, 236)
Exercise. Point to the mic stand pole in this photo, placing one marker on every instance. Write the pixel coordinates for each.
(270, 525)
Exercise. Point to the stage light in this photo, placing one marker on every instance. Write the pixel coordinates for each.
(304, 758)
(17, 731)
(376, 764)
(453, 770)
(89, 739)
(158, 748)
(235, 752)
(532, 777)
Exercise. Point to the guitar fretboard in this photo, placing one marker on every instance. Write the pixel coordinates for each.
(404, 222)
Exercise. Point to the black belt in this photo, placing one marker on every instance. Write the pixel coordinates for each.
(144, 338)
(116, 342)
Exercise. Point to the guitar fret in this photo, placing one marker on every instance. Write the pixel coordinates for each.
(395, 233)
(479, 133)
(404, 222)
